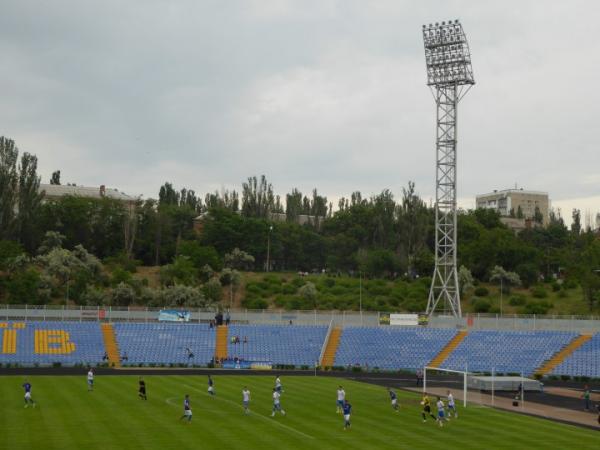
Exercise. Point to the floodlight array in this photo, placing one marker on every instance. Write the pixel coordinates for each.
(447, 55)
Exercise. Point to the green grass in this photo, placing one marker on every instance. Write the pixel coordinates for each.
(112, 417)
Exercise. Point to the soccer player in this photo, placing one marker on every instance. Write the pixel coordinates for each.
(276, 403)
(187, 409)
(341, 396)
(426, 408)
(90, 379)
(347, 409)
(451, 406)
(211, 387)
(394, 399)
(440, 412)
(278, 386)
(142, 389)
(28, 399)
(246, 399)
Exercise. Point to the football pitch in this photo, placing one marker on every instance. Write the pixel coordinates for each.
(67, 416)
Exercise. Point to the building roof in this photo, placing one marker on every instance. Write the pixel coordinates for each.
(513, 191)
(58, 190)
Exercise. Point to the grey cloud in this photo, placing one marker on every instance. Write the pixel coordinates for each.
(327, 94)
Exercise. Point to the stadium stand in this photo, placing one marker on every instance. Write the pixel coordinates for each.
(279, 344)
(391, 348)
(46, 343)
(506, 351)
(165, 343)
(585, 361)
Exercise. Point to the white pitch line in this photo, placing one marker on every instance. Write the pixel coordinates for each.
(268, 419)
(170, 402)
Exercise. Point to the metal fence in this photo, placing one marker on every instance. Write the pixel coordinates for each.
(581, 324)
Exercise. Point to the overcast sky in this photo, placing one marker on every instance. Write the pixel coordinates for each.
(326, 94)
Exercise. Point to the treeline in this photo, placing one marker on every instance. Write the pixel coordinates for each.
(378, 236)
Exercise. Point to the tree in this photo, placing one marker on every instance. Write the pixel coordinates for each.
(309, 293)
(8, 186)
(122, 295)
(504, 278)
(213, 291)
(258, 199)
(200, 255)
(30, 199)
(538, 217)
(181, 271)
(179, 295)
(520, 212)
(238, 259)
(465, 280)
(576, 223)
(52, 240)
(55, 179)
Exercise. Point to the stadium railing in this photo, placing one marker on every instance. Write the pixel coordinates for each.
(581, 324)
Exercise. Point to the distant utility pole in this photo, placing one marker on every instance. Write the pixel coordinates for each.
(449, 71)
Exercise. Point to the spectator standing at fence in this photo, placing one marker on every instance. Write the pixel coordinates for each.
(227, 318)
(419, 376)
(586, 398)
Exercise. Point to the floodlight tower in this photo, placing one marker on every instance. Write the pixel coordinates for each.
(449, 71)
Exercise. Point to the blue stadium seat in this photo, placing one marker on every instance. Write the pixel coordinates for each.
(280, 344)
(68, 343)
(164, 343)
(391, 348)
(506, 351)
(585, 361)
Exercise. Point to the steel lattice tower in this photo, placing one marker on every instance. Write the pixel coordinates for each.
(449, 71)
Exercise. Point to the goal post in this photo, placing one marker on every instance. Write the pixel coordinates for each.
(460, 373)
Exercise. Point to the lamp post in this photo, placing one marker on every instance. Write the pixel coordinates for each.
(449, 76)
(360, 295)
(269, 248)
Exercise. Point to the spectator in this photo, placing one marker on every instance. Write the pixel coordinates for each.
(227, 318)
(586, 397)
(105, 357)
(190, 355)
(291, 322)
(245, 339)
(124, 357)
(419, 375)
(210, 324)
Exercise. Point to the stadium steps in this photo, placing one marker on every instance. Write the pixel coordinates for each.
(331, 347)
(221, 345)
(110, 344)
(449, 348)
(563, 354)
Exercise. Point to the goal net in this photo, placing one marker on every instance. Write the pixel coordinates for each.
(479, 388)
(441, 382)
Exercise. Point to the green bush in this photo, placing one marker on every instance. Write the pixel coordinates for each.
(481, 291)
(23, 287)
(555, 287)
(539, 292)
(329, 282)
(254, 303)
(537, 307)
(517, 300)
(481, 305)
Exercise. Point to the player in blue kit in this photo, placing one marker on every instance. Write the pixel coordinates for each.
(28, 399)
(394, 399)
(187, 409)
(347, 409)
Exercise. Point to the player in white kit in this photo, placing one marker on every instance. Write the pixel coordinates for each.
(246, 399)
(341, 396)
